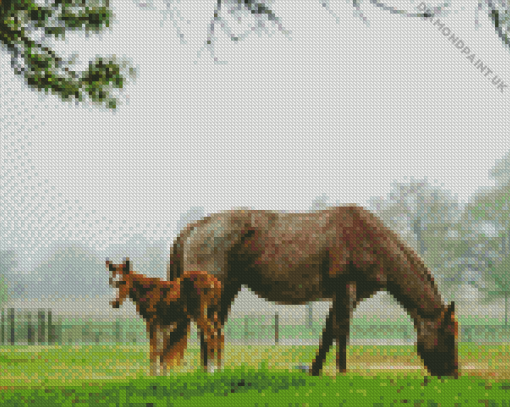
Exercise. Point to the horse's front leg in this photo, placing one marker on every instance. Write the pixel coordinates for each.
(344, 310)
(337, 327)
(325, 343)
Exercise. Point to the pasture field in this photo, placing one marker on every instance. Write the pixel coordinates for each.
(117, 375)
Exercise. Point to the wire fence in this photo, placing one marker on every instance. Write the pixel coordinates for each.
(40, 327)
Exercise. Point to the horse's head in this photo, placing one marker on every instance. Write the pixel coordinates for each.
(119, 278)
(437, 343)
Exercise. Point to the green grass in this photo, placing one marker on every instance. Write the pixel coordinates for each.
(254, 375)
(250, 387)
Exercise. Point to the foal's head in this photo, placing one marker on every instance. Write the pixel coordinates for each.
(120, 278)
(437, 343)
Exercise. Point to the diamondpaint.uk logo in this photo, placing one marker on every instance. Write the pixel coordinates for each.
(464, 49)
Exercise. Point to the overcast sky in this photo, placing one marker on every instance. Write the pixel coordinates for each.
(339, 109)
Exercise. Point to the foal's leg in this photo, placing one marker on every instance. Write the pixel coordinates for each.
(229, 291)
(159, 348)
(175, 344)
(207, 344)
(203, 350)
(213, 338)
(209, 340)
(164, 364)
(227, 297)
(154, 355)
(220, 343)
(166, 341)
(216, 337)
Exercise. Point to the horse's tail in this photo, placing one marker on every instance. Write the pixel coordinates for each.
(190, 295)
(175, 268)
(199, 290)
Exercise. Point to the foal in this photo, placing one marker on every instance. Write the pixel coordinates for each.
(168, 307)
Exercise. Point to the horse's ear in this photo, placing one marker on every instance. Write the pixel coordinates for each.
(449, 314)
(127, 263)
(450, 311)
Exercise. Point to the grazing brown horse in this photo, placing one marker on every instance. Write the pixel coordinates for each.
(345, 254)
(168, 307)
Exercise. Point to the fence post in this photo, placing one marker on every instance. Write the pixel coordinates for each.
(51, 328)
(310, 315)
(245, 328)
(30, 329)
(58, 331)
(42, 327)
(276, 329)
(11, 317)
(98, 331)
(85, 329)
(117, 330)
(2, 327)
